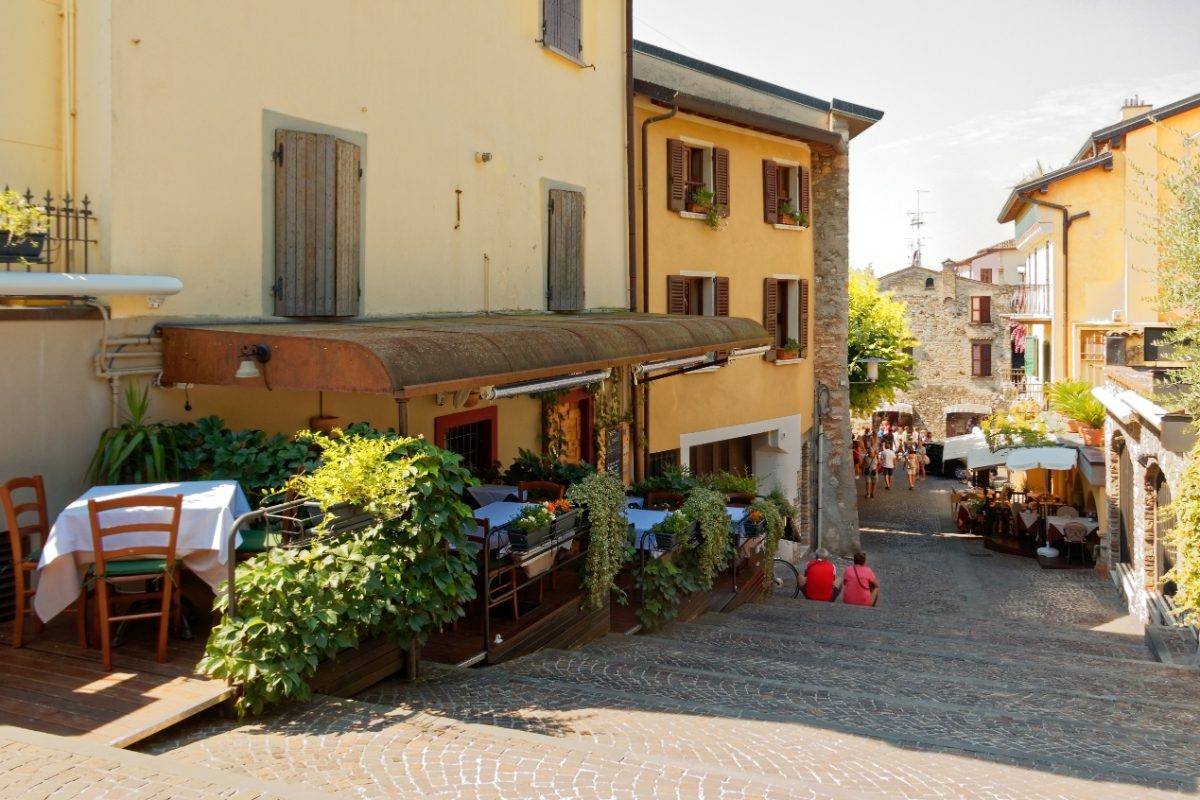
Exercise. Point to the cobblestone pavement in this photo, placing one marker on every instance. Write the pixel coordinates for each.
(980, 676)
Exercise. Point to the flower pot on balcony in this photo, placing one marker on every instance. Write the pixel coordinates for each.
(29, 248)
(783, 354)
(1092, 437)
(1073, 425)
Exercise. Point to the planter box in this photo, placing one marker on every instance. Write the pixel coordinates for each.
(29, 248)
(565, 524)
(753, 530)
(527, 540)
(359, 668)
(535, 565)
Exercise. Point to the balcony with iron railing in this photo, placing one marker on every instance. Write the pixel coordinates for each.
(69, 240)
(1032, 300)
(1028, 387)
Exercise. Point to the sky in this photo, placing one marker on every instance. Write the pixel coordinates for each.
(975, 94)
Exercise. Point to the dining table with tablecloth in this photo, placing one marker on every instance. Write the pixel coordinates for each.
(1056, 526)
(202, 545)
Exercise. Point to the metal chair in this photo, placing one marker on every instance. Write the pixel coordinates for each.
(119, 563)
(539, 490)
(1074, 533)
(664, 500)
(26, 552)
(501, 577)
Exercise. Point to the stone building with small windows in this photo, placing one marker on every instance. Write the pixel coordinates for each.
(964, 355)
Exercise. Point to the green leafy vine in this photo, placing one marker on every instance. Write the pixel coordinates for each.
(707, 507)
(604, 497)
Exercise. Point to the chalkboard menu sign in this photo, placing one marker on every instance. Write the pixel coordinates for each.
(614, 451)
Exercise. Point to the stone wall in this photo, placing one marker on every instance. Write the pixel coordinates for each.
(939, 316)
(837, 521)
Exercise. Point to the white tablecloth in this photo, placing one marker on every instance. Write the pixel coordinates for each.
(1056, 525)
(209, 509)
(491, 493)
(643, 520)
(498, 514)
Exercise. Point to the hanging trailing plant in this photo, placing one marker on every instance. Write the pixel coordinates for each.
(707, 507)
(604, 497)
(773, 522)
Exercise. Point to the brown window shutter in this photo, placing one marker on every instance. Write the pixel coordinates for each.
(986, 359)
(676, 183)
(804, 191)
(722, 297)
(677, 288)
(565, 251)
(985, 309)
(802, 322)
(305, 224)
(721, 179)
(770, 306)
(770, 192)
(349, 247)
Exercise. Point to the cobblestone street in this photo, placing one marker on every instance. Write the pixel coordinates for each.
(980, 676)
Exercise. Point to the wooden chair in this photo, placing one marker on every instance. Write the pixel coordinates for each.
(539, 490)
(501, 577)
(1074, 533)
(154, 564)
(739, 499)
(664, 500)
(26, 553)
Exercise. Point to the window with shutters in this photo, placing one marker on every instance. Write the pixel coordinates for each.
(562, 27)
(698, 295)
(981, 359)
(695, 169)
(981, 310)
(317, 225)
(786, 194)
(564, 251)
(985, 276)
(786, 312)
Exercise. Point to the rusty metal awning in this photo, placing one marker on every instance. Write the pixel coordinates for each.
(414, 357)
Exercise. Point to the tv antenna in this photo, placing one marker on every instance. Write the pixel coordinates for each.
(916, 221)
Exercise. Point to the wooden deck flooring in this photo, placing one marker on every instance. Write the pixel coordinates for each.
(54, 686)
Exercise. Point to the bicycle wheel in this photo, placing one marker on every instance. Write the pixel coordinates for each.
(786, 579)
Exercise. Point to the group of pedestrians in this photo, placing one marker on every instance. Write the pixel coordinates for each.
(880, 452)
(857, 584)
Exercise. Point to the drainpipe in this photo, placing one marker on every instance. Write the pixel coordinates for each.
(642, 462)
(630, 175)
(69, 106)
(1067, 219)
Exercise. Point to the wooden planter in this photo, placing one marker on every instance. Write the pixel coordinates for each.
(359, 668)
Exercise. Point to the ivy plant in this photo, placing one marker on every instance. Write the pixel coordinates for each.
(402, 577)
(769, 513)
(663, 583)
(604, 498)
(707, 507)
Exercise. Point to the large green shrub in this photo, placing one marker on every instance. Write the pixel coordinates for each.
(402, 577)
(207, 450)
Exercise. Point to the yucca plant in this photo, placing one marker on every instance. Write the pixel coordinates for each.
(136, 451)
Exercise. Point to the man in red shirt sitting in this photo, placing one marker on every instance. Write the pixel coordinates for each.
(820, 580)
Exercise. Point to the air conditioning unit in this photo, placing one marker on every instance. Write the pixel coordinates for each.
(1118, 315)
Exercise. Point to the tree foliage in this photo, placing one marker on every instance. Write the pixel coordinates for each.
(877, 330)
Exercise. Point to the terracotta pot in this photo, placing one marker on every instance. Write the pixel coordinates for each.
(324, 424)
(1092, 437)
(696, 208)
(1073, 425)
(785, 355)
(787, 219)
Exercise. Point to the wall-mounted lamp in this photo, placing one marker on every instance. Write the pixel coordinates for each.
(872, 367)
(251, 353)
(483, 158)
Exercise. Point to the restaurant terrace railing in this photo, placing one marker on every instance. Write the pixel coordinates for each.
(1032, 299)
(70, 240)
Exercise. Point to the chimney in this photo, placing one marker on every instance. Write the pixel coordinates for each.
(1134, 106)
(948, 277)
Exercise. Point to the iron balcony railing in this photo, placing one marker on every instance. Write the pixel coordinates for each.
(1032, 299)
(69, 242)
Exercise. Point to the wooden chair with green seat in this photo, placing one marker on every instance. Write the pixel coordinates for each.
(119, 563)
(539, 491)
(26, 521)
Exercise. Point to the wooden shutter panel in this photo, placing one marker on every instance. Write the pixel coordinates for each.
(305, 224)
(985, 358)
(561, 27)
(770, 192)
(348, 248)
(721, 179)
(721, 290)
(985, 309)
(565, 251)
(804, 191)
(676, 184)
(771, 306)
(676, 294)
(802, 321)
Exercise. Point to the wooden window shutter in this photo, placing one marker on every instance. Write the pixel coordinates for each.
(721, 179)
(676, 183)
(561, 28)
(721, 290)
(677, 288)
(565, 251)
(770, 306)
(770, 192)
(802, 317)
(305, 224)
(985, 309)
(804, 207)
(349, 247)
(986, 359)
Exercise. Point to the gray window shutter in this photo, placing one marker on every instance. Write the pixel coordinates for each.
(565, 256)
(317, 212)
(561, 26)
(676, 183)
(770, 192)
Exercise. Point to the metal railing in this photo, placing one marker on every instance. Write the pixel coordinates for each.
(1032, 299)
(70, 239)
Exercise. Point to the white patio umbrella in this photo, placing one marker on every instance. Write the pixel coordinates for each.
(1048, 458)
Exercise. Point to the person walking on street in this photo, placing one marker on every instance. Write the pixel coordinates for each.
(860, 587)
(912, 466)
(887, 464)
(922, 460)
(870, 468)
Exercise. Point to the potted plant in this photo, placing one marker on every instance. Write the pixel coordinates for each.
(703, 201)
(790, 350)
(23, 227)
(670, 531)
(531, 527)
(790, 215)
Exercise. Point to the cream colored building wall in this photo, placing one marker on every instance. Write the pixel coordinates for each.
(30, 142)
(196, 89)
(745, 249)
